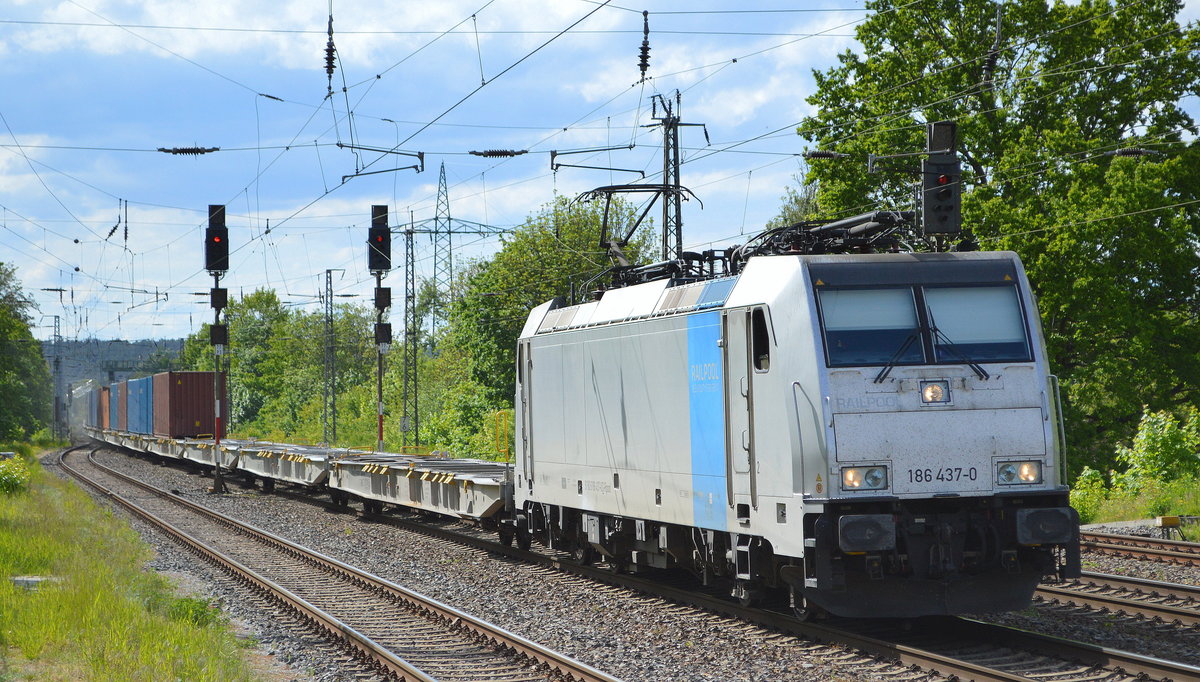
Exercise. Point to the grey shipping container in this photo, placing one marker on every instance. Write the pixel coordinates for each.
(184, 405)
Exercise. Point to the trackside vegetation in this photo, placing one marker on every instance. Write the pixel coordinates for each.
(1158, 475)
(99, 615)
(465, 341)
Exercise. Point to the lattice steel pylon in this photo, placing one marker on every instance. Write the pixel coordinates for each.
(443, 252)
(672, 230)
(410, 421)
(329, 407)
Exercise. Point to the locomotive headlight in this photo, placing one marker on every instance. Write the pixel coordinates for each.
(864, 478)
(1017, 473)
(935, 392)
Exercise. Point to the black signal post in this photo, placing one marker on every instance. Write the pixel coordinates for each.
(379, 261)
(216, 261)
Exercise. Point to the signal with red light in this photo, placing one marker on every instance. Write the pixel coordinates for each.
(941, 194)
(379, 241)
(216, 240)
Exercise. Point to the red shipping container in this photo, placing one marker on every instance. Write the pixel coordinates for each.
(184, 405)
(123, 405)
(102, 411)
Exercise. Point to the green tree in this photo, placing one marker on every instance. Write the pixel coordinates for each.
(556, 252)
(1110, 243)
(24, 376)
(1165, 448)
(799, 203)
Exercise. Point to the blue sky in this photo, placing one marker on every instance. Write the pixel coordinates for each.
(94, 87)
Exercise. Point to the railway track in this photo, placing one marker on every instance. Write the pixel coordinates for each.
(1138, 597)
(1138, 547)
(395, 632)
(962, 648)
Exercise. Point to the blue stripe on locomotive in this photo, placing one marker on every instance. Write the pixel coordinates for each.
(706, 412)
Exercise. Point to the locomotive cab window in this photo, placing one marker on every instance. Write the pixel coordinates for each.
(981, 323)
(760, 340)
(870, 326)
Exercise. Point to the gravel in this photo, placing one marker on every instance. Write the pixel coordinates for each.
(623, 633)
(1161, 640)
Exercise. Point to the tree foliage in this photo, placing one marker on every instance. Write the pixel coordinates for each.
(25, 387)
(555, 253)
(1044, 96)
(464, 370)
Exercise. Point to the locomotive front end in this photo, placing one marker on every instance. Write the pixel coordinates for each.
(944, 490)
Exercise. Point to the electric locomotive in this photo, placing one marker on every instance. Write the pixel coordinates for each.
(864, 434)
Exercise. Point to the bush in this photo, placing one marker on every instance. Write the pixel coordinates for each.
(1166, 448)
(14, 475)
(1088, 494)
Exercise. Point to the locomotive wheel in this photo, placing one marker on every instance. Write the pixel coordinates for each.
(615, 565)
(584, 555)
(803, 611)
(524, 539)
(747, 592)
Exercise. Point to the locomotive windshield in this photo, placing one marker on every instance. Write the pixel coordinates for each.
(982, 323)
(914, 325)
(870, 326)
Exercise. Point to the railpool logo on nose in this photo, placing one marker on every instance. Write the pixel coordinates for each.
(861, 403)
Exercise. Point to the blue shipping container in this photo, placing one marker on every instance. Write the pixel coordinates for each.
(141, 405)
(114, 400)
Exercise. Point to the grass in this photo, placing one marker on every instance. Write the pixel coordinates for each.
(1097, 504)
(104, 617)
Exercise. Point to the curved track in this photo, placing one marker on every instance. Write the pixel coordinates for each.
(954, 647)
(962, 648)
(400, 634)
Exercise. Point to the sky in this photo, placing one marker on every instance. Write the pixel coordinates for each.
(107, 231)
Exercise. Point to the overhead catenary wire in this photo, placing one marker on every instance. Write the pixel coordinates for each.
(491, 189)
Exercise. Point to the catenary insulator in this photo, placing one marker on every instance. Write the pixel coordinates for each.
(644, 53)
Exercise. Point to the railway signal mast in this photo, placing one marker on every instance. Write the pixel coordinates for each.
(216, 261)
(379, 262)
(941, 181)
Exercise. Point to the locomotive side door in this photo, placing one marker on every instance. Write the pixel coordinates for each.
(739, 399)
(524, 384)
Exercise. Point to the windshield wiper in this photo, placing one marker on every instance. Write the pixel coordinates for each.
(887, 369)
(953, 347)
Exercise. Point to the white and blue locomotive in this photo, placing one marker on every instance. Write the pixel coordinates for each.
(863, 434)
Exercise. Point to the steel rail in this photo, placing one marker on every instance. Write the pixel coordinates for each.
(884, 647)
(890, 648)
(383, 660)
(1144, 667)
(894, 651)
(569, 668)
(1078, 594)
(1167, 551)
